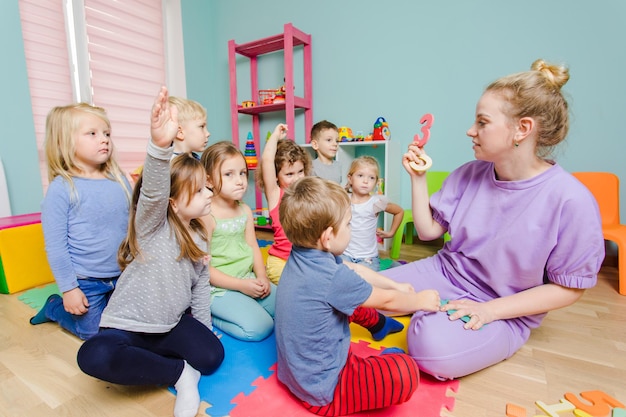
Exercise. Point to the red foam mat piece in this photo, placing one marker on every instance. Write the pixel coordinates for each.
(271, 398)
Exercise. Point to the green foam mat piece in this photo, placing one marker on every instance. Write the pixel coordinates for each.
(36, 297)
(386, 263)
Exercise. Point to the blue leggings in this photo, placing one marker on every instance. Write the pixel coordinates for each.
(244, 317)
(129, 358)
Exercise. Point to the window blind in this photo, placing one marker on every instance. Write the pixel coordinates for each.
(126, 59)
(126, 66)
(47, 64)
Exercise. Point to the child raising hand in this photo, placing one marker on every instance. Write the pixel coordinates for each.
(283, 162)
(146, 335)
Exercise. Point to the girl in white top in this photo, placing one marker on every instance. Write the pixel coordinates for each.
(363, 246)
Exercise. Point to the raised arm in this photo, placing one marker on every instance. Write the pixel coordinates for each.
(155, 187)
(270, 180)
(427, 228)
(163, 120)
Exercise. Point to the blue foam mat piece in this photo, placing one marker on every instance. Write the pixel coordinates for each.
(263, 243)
(243, 363)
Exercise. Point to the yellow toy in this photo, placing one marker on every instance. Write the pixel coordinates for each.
(23, 261)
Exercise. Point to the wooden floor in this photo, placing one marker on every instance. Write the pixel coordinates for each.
(577, 349)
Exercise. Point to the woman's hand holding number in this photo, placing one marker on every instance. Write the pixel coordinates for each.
(427, 121)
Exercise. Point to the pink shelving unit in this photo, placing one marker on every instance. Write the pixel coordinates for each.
(288, 40)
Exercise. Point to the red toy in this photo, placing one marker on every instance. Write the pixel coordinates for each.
(381, 130)
(426, 120)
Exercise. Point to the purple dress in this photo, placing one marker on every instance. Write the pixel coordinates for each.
(507, 236)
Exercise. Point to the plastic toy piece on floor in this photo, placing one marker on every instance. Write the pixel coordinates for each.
(552, 410)
(513, 410)
(619, 412)
(601, 402)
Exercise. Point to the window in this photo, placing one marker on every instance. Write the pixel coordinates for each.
(105, 52)
(47, 62)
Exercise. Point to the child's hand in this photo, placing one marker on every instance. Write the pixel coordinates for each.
(75, 302)
(163, 121)
(428, 300)
(280, 131)
(383, 234)
(267, 289)
(253, 288)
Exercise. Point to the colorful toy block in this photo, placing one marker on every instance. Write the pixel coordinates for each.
(619, 412)
(598, 403)
(23, 262)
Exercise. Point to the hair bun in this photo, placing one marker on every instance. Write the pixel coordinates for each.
(556, 75)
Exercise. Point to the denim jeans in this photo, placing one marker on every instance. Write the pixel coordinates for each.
(371, 263)
(97, 291)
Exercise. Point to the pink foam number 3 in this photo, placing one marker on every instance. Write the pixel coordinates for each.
(426, 120)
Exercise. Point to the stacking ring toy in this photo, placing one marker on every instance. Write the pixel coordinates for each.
(428, 162)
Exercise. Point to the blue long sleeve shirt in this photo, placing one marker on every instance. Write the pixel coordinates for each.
(82, 234)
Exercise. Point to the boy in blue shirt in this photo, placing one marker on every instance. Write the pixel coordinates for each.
(319, 296)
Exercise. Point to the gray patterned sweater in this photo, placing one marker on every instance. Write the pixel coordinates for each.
(155, 289)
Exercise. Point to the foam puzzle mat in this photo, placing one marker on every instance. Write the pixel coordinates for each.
(36, 297)
(245, 385)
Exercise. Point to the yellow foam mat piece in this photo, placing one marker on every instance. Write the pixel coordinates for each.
(359, 333)
(23, 262)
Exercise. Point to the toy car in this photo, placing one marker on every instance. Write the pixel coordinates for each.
(345, 134)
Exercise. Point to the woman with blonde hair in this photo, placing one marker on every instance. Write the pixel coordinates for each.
(526, 235)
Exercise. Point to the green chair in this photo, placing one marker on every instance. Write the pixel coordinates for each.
(434, 180)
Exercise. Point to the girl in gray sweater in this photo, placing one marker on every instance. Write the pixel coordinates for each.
(146, 336)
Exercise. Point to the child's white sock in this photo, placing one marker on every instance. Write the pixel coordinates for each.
(187, 394)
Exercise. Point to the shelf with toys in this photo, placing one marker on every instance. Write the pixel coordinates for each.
(282, 99)
(353, 145)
